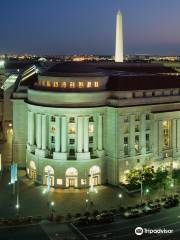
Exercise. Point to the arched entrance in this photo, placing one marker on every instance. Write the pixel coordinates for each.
(71, 177)
(95, 176)
(48, 170)
(32, 170)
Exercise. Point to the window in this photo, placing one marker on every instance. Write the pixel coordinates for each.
(166, 134)
(48, 84)
(91, 119)
(59, 181)
(137, 128)
(71, 141)
(83, 181)
(96, 84)
(81, 84)
(53, 119)
(89, 84)
(136, 145)
(63, 84)
(137, 117)
(147, 143)
(53, 129)
(126, 145)
(71, 152)
(72, 130)
(147, 117)
(72, 120)
(52, 139)
(91, 128)
(138, 160)
(55, 84)
(91, 139)
(91, 150)
(72, 85)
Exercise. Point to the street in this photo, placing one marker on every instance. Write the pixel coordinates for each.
(124, 229)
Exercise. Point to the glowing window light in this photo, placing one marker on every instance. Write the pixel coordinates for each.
(55, 84)
(48, 84)
(91, 128)
(81, 84)
(63, 84)
(72, 84)
(96, 84)
(89, 84)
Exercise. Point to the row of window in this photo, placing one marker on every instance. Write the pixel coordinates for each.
(71, 119)
(137, 117)
(80, 84)
(72, 141)
(72, 129)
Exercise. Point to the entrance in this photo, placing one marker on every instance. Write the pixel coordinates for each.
(33, 174)
(51, 180)
(71, 182)
(71, 177)
(95, 180)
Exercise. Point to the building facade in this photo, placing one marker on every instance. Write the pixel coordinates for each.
(89, 124)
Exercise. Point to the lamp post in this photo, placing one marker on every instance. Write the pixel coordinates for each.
(147, 193)
(86, 203)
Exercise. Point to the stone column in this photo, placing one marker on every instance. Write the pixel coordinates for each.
(100, 133)
(143, 134)
(178, 135)
(121, 136)
(132, 135)
(174, 129)
(38, 131)
(57, 136)
(86, 134)
(44, 132)
(155, 138)
(161, 138)
(63, 135)
(80, 135)
(31, 128)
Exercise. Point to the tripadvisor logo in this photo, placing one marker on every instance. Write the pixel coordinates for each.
(139, 231)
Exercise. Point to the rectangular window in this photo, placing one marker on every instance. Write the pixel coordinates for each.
(147, 117)
(72, 130)
(137, 128)
(71, 152)
(53, 119)
(91, 119)
(166, 134)
(52, 139)
(126, 145)
(72, 120)
(96, 84)
(125, 119)
(91, 128)
(72, 85)
(59, 181)
(71, 141)
(136, 146)
(89, 84)
(147, 143)
(91, 150)
(90, 139)
(81, 84)
(55, 84)
(63, 84)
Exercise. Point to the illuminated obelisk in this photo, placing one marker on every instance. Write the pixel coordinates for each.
(119, 38)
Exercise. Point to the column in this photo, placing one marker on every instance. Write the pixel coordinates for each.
(143, 134)
(31, 128)
(161, 138)
(80, 135)
(174, 129)
(121, 136)
(100, 132)
(44, 132)
(132, 135)
(38, 131)
(178, 134)
(155, 138)
(86, 134)
(63, 135)
(57, 136)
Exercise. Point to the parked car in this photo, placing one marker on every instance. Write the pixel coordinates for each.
(156, 207)
(133, 213)
(171, 202)
(147, 210)
(81, 221)
(107, 217)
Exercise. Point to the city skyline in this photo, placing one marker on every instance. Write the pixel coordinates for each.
(47, 29)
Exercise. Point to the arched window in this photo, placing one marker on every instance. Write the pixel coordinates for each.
(49, 169)
(71, 172)
(32, 165)
(94, 170)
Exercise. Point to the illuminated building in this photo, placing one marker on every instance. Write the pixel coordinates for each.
(91, 123)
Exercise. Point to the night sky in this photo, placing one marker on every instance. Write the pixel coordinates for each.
(88, 26)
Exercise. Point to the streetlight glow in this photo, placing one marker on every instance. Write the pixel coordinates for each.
(119, 195)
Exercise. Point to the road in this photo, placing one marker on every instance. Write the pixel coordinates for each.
(124, 229)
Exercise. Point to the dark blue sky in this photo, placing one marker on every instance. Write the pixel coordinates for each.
(88, 26)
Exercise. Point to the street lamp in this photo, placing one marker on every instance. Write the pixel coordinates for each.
(120, 197)
(87, 202)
